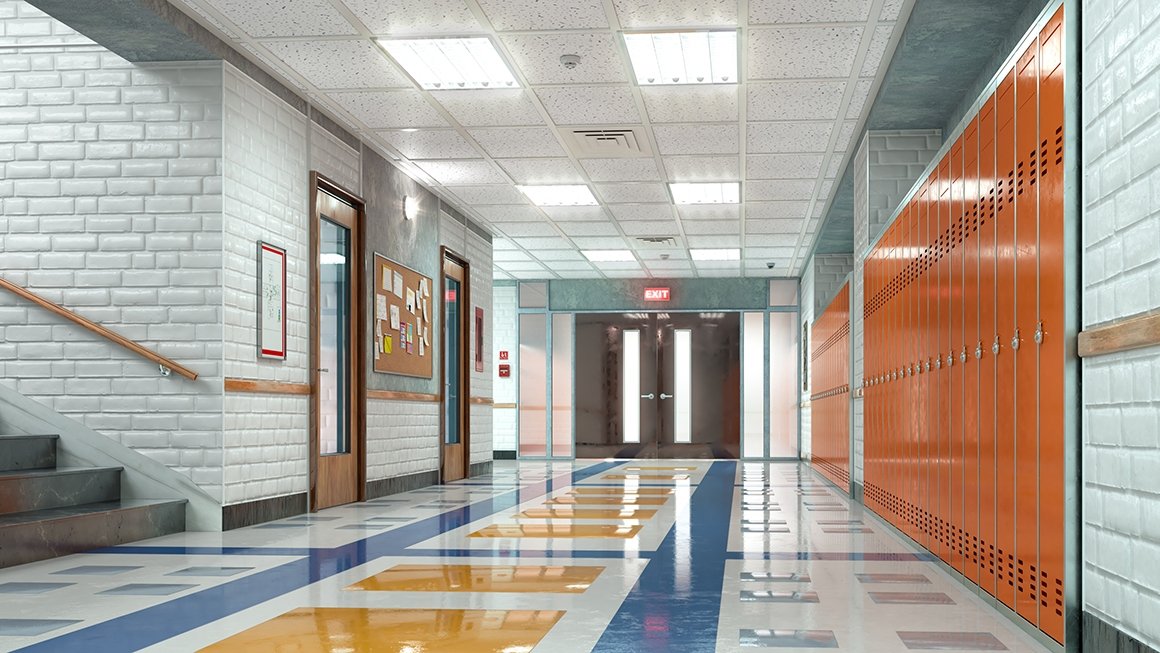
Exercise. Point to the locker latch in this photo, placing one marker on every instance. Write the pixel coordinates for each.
(963, 355)
(995, 346)
(938, 363)
(979, 349)
(913, 370)
(1039, 333)
(928, 365)
(1015, 340)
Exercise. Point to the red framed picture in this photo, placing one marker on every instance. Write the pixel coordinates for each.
(478, 339)
(271, 301)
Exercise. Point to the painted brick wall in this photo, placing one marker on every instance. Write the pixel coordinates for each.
(335, 159)
(858, 353)
(504, 326)
(265, 197)
(402, 438)
(111, 202)
(830, 272)
(1121, 278)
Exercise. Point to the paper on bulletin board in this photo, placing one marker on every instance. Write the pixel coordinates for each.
(422, 349)
(398, 289)
(424, 291)
(388, 345)
(425, 338)
(410, 301)
(380, 307)
(394, 316)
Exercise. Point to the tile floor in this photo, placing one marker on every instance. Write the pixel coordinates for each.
(602, 556)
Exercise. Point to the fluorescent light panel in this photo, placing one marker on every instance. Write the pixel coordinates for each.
(683, 57)
(715, 254)
(608, 255)
(451, 63)
(559, 195)
(728, 192)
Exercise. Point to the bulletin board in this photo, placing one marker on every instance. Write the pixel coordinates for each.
(404, 313)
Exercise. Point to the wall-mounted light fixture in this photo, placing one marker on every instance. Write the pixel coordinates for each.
(410, 207)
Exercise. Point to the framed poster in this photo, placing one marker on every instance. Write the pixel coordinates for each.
(478, 339)
(271, 301)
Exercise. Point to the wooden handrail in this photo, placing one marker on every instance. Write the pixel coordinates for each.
(88, 324)
(1124, 335)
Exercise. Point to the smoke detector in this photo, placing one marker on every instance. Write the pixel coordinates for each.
(570, 61)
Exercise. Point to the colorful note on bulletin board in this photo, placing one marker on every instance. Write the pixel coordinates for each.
(398, 311)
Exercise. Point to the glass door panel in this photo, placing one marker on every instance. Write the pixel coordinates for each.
(698, 376)
(451, 361)
(334, 342)
(532, 368)
(562, 385)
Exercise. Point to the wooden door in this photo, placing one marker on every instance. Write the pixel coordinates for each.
(337, 435)
(456, 444)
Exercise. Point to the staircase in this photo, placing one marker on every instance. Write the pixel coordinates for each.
(48, 511)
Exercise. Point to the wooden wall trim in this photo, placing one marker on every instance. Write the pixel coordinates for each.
(482, 401)
(505, 406)
(393, 395)
(1124, 335)
(255, 386)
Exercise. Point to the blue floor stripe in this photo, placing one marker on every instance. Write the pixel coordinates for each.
(158, 623)
(676, 603)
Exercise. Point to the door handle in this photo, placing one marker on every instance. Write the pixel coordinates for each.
(648, 396)
(665, 396)
(324, 369)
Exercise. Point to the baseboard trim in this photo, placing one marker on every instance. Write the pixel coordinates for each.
(856, 492)
(503, 455)
(1099, 635)
(384, 486)
(480, 469)
(239, 515)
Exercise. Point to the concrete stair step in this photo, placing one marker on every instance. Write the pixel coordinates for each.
(41, 489)
(51, 532)
(19, 452)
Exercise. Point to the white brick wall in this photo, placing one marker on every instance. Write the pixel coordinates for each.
(830, 272)
(110, 191)
(335, 159)
(402, 438)
(265, 453)
(504, 326)
(1121, 278)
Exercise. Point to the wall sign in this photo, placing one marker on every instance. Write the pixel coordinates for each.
(478, 339)
(505, 371)
(656, 294)
(271, 301)
(503, 355)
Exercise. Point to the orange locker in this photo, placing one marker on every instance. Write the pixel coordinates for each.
(1001, 347)
(954, 368)
(942, 373)
(928, 220)
(1027, 355)
(968, 342)
(987, 385)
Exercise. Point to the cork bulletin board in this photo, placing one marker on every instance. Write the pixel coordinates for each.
(404, 313)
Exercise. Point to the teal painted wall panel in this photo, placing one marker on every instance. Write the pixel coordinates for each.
(686, 294)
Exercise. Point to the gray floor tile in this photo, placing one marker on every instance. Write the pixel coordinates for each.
(209, 571)
(912, 598)
(763, 596)
(308, 518)
(947, 641)
(148, 589)
(764, 528)
(854, 529)
(771, 577)
(32, 627)
(96, 570)
(283, 525)
(762, 638)
(893, 578)
(31, 588)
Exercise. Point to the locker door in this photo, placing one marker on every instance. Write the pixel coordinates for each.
(1026, 314)
(928, 450)
(1005, 323)
(951, 355)
(1051, 313)
(987, 385)
(970, 338)
(943, 340)
(911, 470)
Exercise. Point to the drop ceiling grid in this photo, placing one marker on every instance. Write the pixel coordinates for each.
(284, 46)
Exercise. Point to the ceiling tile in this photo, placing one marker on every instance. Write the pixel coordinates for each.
(496, 194)
(709, 211)
(637, 14)
(590, 273)
(835, 166)
(430, 144)
(877, 50)
(390, 109)
(765, 210)
(636, 273)
(632, 193)
(674, 269)
(498, 274)
(795, 100)
(517, 230)
(629, 212)
(698, 242)
(542, 171)
(769, 12)
(560, 255)
(461, 172)
(340, 64)
(539, 244)
(802, 52)
(502, 243)
(773, 137)
(692, 103)
(697, 139)
(779, 189)
(519, 266)
(570, 266)
(536, 275)
(771, 240)
(767, 252)
(518, 142)
(590, 105)
(538, 57)
(650, 228)
(651, 254)
(703, 168)
(513, 255)
(858, 100)
(616, 265)
(643, 169)
(516, 213)
(846, 135)
(892, 9)
(589, 229)
(783, 166)
(773, 226)
(600, 242)
(708, 227)
(489, 107)
(576, 213)
(267, 18)
(732, 271)
(415, 16)
(538, 15)
(824, 189)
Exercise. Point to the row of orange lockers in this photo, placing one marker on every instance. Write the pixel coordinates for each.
(830, 389)
(964, 320)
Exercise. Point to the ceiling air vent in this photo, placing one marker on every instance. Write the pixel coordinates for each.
(608, 142)
(658, 241)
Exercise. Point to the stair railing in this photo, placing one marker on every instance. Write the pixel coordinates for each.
(164, 364)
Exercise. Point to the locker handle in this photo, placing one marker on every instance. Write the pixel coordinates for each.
(951, 359)
(938, 363)
(1015, 340)
(979, 349)
(1039, 333)
(995, 346)
(963, 355)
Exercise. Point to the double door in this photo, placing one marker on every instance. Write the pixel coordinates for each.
(657, 385)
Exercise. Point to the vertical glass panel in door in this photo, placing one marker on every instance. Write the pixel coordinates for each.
(561, 385)
(783, 385)
(753, 386)
(532, 367)
(451, 362)
(334, 345)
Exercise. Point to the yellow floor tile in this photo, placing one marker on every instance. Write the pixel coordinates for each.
(567, 512)
(622, 531)
(621, 490)
(335, 630)
(607, 501)
(646, 477)
(480, 578)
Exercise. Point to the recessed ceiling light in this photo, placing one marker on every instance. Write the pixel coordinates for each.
(451, 63)
(559, 195)
(715, 254)
(608, 255)
(706, 193)
(683, 57)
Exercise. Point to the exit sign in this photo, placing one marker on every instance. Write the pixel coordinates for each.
(656, 294)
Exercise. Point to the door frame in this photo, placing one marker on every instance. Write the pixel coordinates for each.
(321, 183)
(466, 362)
